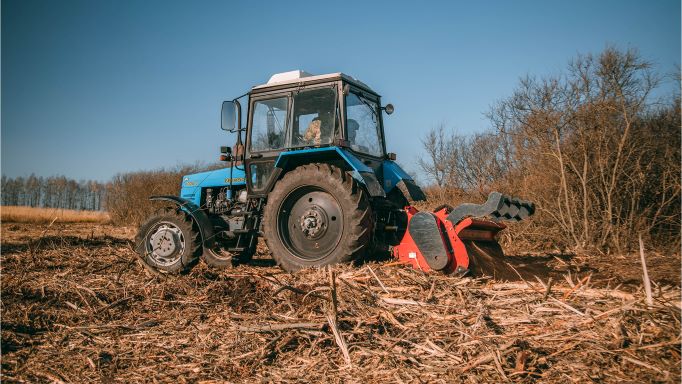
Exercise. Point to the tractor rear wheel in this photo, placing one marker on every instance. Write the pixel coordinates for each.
(317, 215)
(169, 241)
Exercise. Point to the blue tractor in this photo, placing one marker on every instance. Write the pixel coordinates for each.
(311, 176)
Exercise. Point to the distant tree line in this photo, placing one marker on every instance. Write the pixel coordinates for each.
(592, 146)
(53, 192)
(125, 197)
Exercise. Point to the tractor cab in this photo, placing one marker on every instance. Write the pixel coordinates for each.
(296, 115)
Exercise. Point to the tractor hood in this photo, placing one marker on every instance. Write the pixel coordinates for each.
(192, 184)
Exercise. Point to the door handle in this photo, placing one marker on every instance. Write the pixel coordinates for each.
(256, 156)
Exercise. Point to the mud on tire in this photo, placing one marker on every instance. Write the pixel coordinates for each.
(169, 241)
(317, 215)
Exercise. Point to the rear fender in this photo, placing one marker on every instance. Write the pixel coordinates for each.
(199, 217)
(396, 178)
(360, 172)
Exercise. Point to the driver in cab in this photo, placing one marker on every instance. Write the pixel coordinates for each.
(319, 130)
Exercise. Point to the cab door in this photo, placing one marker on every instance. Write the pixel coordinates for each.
(268, 131)
(306, 117)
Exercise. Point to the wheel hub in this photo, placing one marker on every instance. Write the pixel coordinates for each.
(166, 243)
(313, 222)
(310, 223)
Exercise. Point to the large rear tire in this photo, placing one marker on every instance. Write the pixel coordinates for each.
(317, 215)
(169, 241)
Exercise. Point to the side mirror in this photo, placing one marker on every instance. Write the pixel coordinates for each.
(388, 109)
(231, 116)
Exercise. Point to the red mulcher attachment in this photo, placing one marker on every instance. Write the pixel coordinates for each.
(461, 240)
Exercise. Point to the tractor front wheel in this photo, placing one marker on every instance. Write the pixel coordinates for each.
(317, 215)
(169, 241)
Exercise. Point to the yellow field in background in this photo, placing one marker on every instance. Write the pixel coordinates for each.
(47, 215)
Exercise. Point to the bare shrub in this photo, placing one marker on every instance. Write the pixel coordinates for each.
(127, 196)
(590, 147)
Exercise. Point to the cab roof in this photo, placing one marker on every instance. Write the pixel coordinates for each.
(299, 77)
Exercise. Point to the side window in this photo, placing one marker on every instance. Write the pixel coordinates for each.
(260, 174)
(363, 124)
(315, 121)
(268, 130)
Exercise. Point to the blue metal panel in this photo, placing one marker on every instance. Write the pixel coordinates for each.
(393, 174)
(192, 184)
(361, 172)
(354, 162)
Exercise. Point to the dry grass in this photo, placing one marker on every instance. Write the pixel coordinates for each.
(48, 215)
(77, 307)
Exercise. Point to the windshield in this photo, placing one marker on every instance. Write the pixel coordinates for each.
(363, 125)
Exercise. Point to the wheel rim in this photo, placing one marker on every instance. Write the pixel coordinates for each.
(310, 223)
(165, 243)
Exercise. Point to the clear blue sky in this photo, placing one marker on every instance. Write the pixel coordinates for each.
(91, 88)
